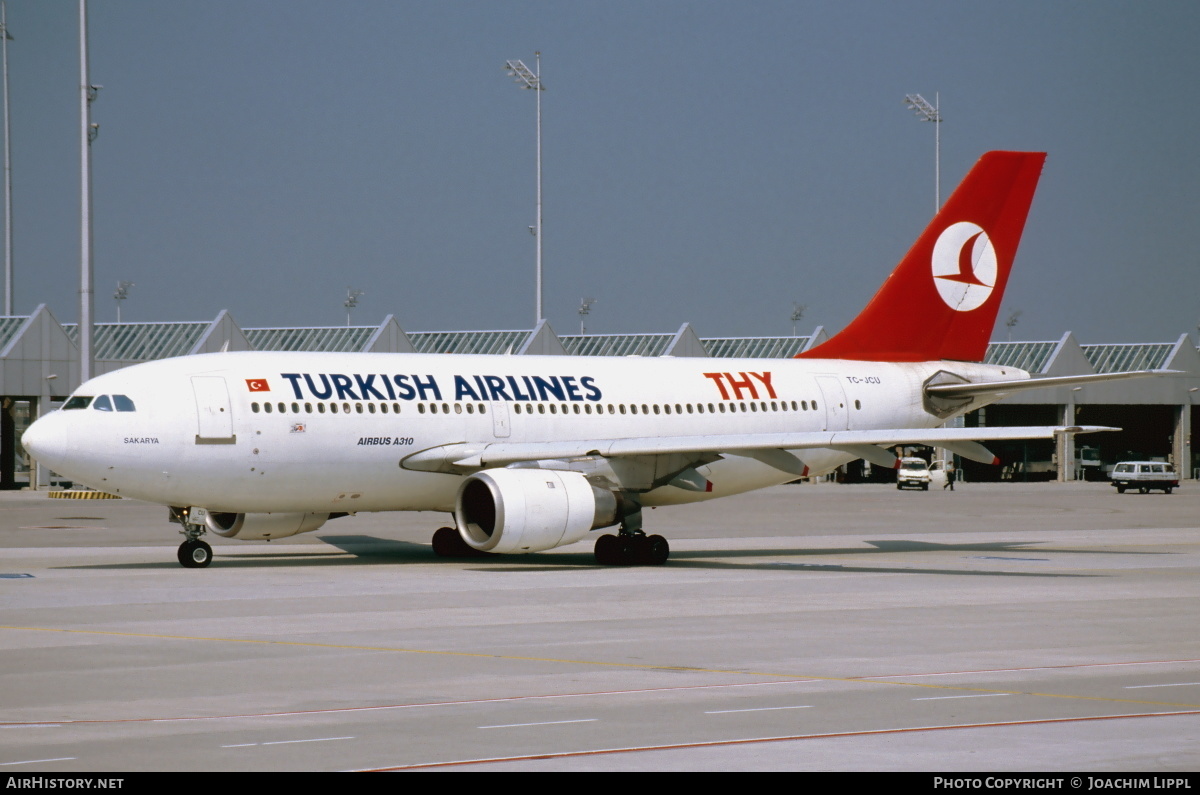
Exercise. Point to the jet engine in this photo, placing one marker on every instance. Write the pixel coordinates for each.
(263, 526)
(530, 510)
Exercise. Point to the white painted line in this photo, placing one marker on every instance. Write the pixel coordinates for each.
(946, 698)
(287, 742)
(545, 723)
(756, 709)
(38, 761)
(1175, 684)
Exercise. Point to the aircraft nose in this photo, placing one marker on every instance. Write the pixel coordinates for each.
(44, 439)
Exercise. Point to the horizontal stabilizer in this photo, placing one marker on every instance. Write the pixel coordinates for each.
(993, 388)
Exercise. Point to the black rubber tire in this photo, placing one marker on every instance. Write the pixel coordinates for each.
(608, 550)
(655, 551)
(448, 543)
(194, 554)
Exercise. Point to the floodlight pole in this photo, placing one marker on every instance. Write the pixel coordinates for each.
(8, 266)
(585, 306)
(351, 301)
(120, 295)
(87, 93)
(533, 80)
(927, 112)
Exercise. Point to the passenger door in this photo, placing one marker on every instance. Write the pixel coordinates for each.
(214, 415)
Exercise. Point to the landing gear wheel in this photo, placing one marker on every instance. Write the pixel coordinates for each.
(654, 550)
(608, 550)
(447, 543)
(1120, 489)
(194, 554)
(614, 550)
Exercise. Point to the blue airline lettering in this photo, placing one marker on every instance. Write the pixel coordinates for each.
(552, 387)
(406, 391)
(517, 393)
(463, 390)
(496, 387)
(343, 386)
(364, 385)
(424, 385)
(375, 386)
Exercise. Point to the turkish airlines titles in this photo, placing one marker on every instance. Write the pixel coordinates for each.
(374, 386)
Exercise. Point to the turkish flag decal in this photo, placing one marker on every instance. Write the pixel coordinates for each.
(257, 385)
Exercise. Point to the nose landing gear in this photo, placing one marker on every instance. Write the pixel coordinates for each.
(194, 554)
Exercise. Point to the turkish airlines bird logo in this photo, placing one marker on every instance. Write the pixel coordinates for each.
(964, 266)
(257, 385)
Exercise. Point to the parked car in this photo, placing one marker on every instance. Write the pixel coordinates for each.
(913, 474)
(1144, 475)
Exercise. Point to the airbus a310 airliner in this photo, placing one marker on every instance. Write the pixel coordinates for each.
(530, 453)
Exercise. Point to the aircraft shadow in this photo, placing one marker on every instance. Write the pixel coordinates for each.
(370, 550)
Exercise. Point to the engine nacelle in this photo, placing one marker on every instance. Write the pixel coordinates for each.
(263, 526)
(530, 510)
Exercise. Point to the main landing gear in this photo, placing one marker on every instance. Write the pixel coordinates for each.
(193, 553)
(631, 546)
(447, 543)
(632, 550)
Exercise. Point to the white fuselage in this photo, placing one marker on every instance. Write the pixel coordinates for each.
(325, 432)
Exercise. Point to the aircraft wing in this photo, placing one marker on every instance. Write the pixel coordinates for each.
(998, 388)
(865, 444)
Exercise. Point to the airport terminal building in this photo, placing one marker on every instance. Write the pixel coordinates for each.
(39, 367)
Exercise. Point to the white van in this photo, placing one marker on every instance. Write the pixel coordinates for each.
(1144, 475)
(913, 474)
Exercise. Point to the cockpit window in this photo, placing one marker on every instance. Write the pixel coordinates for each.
(102, 403)
(123, 403)
(78, 402)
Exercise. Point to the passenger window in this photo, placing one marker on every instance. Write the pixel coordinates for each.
(77, 402)
(102, 403)
(123, 403)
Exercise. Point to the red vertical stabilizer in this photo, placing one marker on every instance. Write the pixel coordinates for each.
(941, 301)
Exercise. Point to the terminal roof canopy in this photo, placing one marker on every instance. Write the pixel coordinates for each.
(38, 354)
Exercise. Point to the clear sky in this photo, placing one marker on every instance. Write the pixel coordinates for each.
(710, 162)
